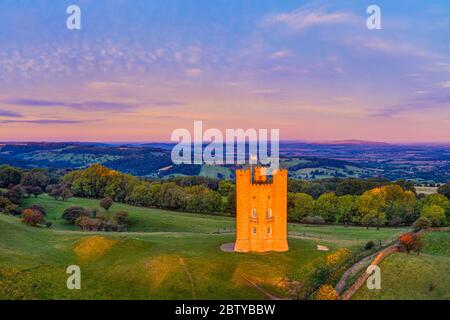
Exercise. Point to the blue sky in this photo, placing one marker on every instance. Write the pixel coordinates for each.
(309, 68)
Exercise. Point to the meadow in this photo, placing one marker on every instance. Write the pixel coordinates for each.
(176, 255)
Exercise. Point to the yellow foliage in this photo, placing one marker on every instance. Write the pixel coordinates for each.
(93, 247)
(327, 292)
(337, 256)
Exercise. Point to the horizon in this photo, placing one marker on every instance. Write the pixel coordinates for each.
(324, 142)
(139, 71)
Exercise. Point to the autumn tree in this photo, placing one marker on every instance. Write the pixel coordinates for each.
(32, 217)
(411, 242)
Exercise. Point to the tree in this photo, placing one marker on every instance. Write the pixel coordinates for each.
(421, 223)
(230, 206)
(106, 203)
(36, 178)
(71, 214)
(15, 194)
(445, 190)
(439, 200)
(370, 208)
(65, 194)
(300, 205)
(326, 206)
(346, 208)
(435, 214)
(34, 190)
(9, 176)
(225, 187)
(32, 217)
(411, 242)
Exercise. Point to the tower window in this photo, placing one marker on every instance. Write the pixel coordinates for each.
(254, 214)
(254, 230)
(269, 230)
(269, 213)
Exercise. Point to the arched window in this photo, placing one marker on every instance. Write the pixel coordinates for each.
(254, 230)
(254, 214)
(269, 230)
(269, 213)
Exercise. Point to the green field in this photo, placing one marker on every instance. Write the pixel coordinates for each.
(418, 277)
(164, 255)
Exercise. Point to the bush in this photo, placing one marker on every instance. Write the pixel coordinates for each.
(369, 245)
(106, 203)
(313, 220)
(39, 208)
(73, 213)
(421, 224)
(327, 292)
(32, 217)
(121, 218)
(338, 256)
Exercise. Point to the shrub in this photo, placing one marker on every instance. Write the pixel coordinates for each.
(337, 256)
(327, 292)
(121, 217)
(39, 208)
(32, 217)
(421, 223)
(313, 220)
(73, 213)
(5, 205)
(106, 203)
(369, 245)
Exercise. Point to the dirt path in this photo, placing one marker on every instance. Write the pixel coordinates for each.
(186, 270)
(353, 269)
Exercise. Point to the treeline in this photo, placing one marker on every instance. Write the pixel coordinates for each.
(339, 186)
(386, 205)
(98, 181)
(369, 202)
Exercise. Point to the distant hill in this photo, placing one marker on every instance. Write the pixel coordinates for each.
(355, 142)
(348, 158)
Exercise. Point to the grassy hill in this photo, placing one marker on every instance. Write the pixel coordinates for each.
(425, 276)
(165, 255)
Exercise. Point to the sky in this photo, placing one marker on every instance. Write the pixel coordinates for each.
(138, 70)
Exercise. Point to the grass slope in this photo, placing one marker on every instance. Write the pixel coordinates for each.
(142, 266)
(419, 277)
(166, 255)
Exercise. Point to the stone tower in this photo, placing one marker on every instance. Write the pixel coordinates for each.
(261, 211)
